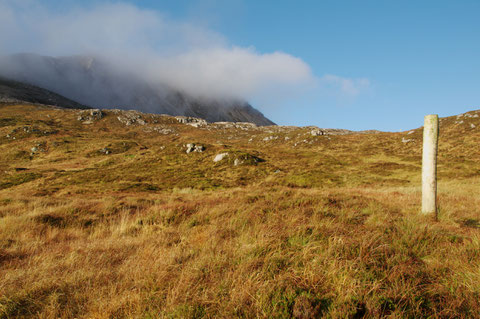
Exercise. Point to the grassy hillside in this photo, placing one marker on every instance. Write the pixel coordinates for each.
(105, 215)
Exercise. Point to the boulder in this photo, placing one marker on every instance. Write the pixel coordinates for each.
(220, 157)
(192, 121)
(191, 147)
(90, 116)
(317, 132)
(130, 117)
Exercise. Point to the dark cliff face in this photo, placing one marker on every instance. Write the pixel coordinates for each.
(94, 82)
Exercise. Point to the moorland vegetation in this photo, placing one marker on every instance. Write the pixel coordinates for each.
(105, 215)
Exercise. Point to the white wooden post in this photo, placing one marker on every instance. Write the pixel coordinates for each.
(429, 164)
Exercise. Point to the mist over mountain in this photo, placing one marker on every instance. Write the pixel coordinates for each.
(100, 83)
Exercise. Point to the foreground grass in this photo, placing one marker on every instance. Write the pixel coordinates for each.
(324, 226)
(238, 253)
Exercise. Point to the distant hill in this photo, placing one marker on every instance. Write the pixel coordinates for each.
(96, 83)
(17, 92)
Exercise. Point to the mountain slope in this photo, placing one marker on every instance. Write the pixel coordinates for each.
(97, 83)
(17, 92)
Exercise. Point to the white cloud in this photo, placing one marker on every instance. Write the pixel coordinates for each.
(346, 87)
(239, 71)
(186, 56)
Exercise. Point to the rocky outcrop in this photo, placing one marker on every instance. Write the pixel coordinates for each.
(192, 121)
(130, 118)
(191, 147)
(90, 116)
(238, 158)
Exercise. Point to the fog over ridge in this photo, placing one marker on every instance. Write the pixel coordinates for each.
(109, 50)
(161, 51)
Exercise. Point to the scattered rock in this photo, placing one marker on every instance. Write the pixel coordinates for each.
(270, 138)
(411, 132)
(39, 147)
(105, 151)
(190, 148)
(192, 121)
(245, 125)
(163, 130)
(220, 157)
(472, 125)
(130, 117)
(246, 159)
(317, 132)
(194, 148)
(90, 116)
(117, 148)
(405, 140)
(28, 130)
(224, 124)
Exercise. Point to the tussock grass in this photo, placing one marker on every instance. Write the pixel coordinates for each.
(345, 252)
(328, 229)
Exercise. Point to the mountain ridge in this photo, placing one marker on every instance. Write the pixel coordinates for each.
(96, 83)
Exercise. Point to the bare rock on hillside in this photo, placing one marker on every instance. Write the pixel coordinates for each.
(247, 159)
(39, 147)
(317, 132)
(90, 116)
(130, 117)
(27, 131)
(220, 157)
(270, 138)
(245, 126)
(192, 121)
(105, 151)
(238, 158)
(191, 147)
(165, 130)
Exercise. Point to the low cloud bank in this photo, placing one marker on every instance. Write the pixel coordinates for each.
(160, 51)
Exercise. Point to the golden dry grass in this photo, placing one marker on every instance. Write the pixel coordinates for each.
(329, 228)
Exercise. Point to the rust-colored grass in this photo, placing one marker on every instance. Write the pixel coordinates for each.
(327, 228)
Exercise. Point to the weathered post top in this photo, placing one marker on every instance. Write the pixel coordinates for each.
(429, 164)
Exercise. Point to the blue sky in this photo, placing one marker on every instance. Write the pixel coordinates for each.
(414, 57)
